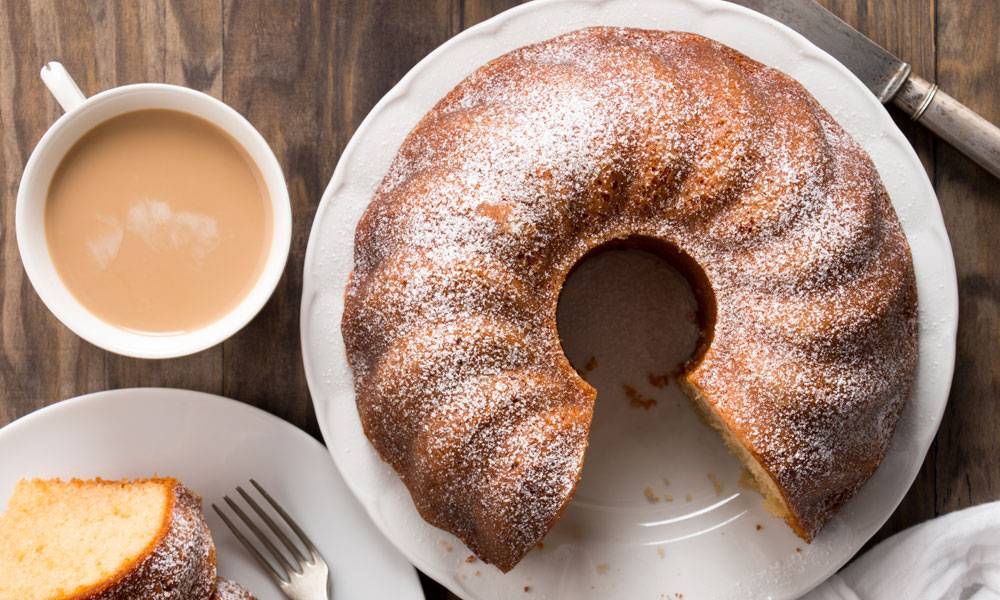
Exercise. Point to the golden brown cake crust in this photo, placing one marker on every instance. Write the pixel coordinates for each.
(178, 565)
(598, 136)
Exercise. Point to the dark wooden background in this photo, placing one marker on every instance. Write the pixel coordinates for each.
(306, 73)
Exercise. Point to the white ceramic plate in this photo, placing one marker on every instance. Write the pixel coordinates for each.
(613, 542)
(212, 444)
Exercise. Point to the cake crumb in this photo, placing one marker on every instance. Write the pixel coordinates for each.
(668, 498)
(601, 568)
(446, 545)
(540, 545)
(527, 589)
(759, 527)
(470, 558)
(637, 400)
(688, 497)
(591, 364)
(798, 550)
(659, 381)
(651, 495)
(716, 484)
(478, 573)
(661, 552)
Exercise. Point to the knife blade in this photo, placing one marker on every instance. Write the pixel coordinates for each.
(880, 70)
(889, 78)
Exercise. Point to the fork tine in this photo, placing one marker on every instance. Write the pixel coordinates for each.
(288, 519)
(262, 537)
(272, 525)
(253, 550)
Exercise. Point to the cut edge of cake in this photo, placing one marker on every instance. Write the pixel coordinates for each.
(760, 479)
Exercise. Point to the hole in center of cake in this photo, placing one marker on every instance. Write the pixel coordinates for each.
(639, 304)
(631, 315)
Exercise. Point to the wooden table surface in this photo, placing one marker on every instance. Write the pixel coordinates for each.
(306, 74)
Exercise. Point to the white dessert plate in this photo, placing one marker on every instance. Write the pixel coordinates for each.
(660, 512)
(212, 444)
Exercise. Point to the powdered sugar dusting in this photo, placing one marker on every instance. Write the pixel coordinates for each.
(604, 134)
(230, 590)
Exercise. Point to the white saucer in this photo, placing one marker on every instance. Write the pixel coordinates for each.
(212, 444)
(607, 545)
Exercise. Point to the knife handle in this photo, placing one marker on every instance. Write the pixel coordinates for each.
(954, 122)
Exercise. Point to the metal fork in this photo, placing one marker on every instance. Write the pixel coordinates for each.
(308, 578)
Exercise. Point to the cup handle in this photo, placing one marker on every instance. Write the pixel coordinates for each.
(61, 85)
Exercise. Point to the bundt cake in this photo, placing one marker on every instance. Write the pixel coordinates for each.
(601, 138)
(105, 540)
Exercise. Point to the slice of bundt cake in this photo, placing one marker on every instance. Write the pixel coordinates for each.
(105, 540)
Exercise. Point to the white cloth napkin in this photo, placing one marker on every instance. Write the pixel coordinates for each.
(956, 556)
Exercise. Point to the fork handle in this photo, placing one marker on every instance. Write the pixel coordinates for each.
(954, 122)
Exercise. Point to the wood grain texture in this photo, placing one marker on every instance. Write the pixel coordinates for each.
(967, 461)
(306, 72)
(41, 361)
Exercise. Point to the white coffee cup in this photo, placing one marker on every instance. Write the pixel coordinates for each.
(82, 115)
